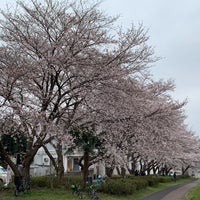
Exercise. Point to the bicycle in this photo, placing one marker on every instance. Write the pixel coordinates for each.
(21, 184)
(77, 191)
(27, 183)
(18, 185)
(92, 193)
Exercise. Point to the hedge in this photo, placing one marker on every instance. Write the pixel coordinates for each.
(115, 186)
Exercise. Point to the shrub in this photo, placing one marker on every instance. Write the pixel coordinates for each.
(40, 181)
(115, 186)
(53, 182)
(140, 183)
(152, 180)
(10, 186)
(69, 180)
(183, 176)
(118, 187)
(45, 181)
(1, 186)
(164, 179)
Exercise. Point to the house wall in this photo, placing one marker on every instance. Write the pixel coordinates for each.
(42, 164)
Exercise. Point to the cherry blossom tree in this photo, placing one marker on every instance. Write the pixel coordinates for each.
(53, 56)
(141, 120)
(64, 64)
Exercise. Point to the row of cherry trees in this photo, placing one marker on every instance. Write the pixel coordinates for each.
(149, 128)
(65, 65)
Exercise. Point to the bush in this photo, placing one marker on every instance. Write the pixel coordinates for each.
(1, 186)
(53, 182)
(115, 186)
(69, 180)
(140, 183)
(164, 179)
(39, 181)
(118, 187)
(152, 180)
(183, 176)
(10, 186)
(45, 181)
(127, 186)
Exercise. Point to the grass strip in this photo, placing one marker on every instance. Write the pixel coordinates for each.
(63, 194)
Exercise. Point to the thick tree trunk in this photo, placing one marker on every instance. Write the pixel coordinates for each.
(60, 167)
(184, 170)
(85, 170)
(155, 168)
(121, 171)
(27, 160)
(133, 167)
(167, 170)
(148, 171)
(5, 157)
(118, 171)
(26, 169)
(51, 158)
(109, 171)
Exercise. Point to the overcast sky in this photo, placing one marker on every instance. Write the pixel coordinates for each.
(174, 30)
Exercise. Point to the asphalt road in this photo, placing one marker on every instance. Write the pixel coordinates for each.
(176, 192)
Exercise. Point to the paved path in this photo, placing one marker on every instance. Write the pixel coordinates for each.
(176, 192)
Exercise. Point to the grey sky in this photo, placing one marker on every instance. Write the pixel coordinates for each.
(174, 30)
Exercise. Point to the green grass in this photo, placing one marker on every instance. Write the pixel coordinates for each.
(63, 194)
(194, 193)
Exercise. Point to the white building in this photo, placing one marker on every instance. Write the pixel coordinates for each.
(42, 164)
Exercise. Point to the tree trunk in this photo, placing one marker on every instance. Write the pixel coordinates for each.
(85, 170)
(26, 169)
(154, 168)
(60, 168)
(118, 171)
(109, 171)
(51, 158)
(133, 167)
(27, 160)
(121, 171)
(5, 157)
(184, 170)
